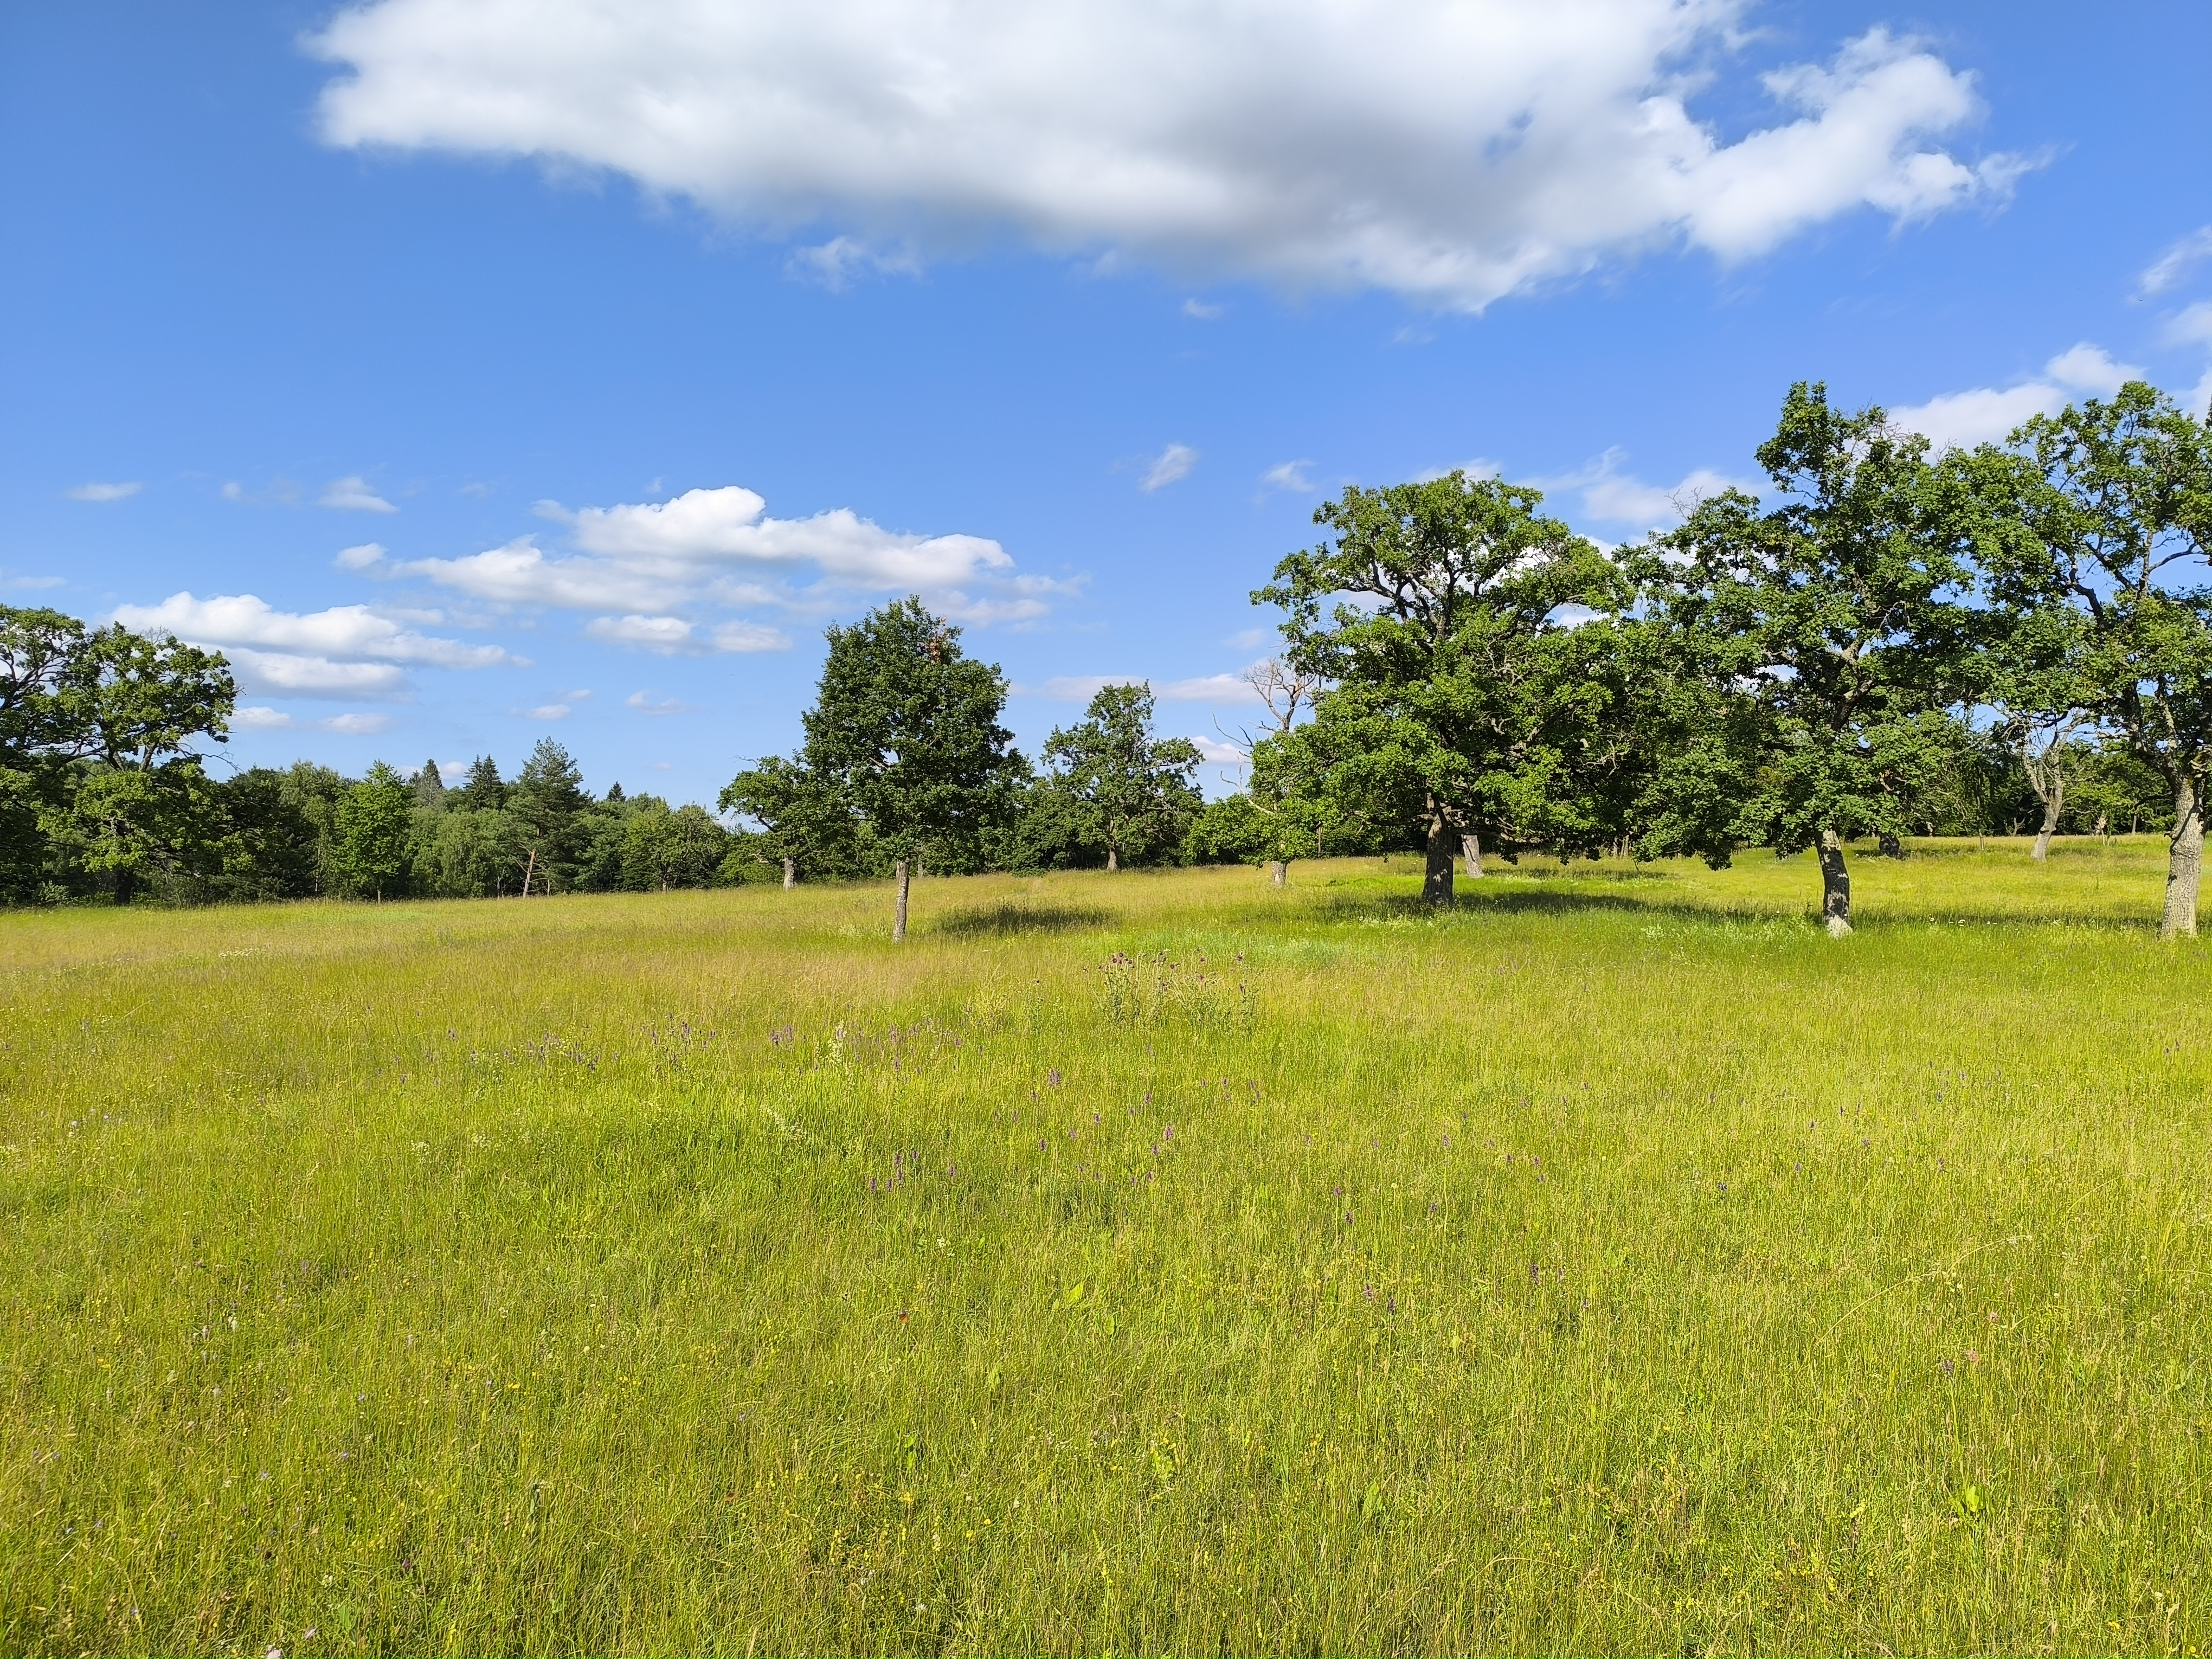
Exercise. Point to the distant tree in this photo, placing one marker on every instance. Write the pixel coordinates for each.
(373, 820)
(1461, 703)
(262, 845)
(548, 802)
(904, 737)
(1131, 791)
(809, 825)
(1835, 629)
(483, 789)
(663, 850)
(2107, 509)
(429, 788)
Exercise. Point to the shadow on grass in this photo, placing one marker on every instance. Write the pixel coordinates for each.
(999, 921)
(1524, 902)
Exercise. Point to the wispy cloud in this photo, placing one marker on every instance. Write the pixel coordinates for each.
(1293, 477)
(103, 492)
(353, 494)
(260, 718)
(1203, 312)
(646, 703)
(2176, 262)
(837, 264)
(1172, 466)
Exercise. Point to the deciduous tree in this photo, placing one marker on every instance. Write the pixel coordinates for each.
(1834, 632)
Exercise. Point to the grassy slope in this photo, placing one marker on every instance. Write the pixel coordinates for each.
(1617, 1264)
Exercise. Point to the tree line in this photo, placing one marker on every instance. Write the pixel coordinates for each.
(1898, 642)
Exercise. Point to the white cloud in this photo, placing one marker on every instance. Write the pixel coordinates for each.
(1203, 312)
(257, 718)
(353, 495)
(347, 651)
(1295, 477)
(284, 674)
(2171, 266)
(1081, 688)
(1218, 753)
(1210, 688)
(550, 711)
(102, 492)
(1170, 465)
(356, 725)
(1452, 151)
(646, 703)
(343, 631)
(1616, 496)
(1986, 415)
(669, 636)
(645, 565)
(365, 557)
(30, 582)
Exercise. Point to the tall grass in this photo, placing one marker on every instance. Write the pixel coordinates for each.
(1147, 1263)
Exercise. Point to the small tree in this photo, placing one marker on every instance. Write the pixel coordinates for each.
(807, 825)
(1833, 628)
(2107, 520)
(1132, 791)
(373, 819)
(1462, 699)
(904, 741)
(548, 803)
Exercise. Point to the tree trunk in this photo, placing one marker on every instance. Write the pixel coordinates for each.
(790, 875)
(1113, 859)
(2050, 810)
(2185, 862)
(1278, 873)
(126, 882)
(1835, 885)
(898, 916)
(1437, 882)
(1470, 848)
(528, 871)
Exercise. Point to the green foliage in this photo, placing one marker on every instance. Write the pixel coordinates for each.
(2106, 519)
(663, 850)
(904, 756)
(370, 850)
(1113, 792)
(1462, 698)
(1834, 625)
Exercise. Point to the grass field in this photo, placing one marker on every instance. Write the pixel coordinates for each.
(1132, 1264)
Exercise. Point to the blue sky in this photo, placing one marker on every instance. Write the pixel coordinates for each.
(475, 371)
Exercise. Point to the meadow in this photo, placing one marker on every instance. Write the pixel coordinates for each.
(1151, 1263)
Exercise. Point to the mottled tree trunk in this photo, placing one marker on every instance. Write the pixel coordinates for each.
(1278, 873)
(2185, 863)
(2051, 805)
(790, 875)
(1835, 885)
(898, 916)
(1470, 848)
(1113, 859)
(1437, 882)
(528, 871)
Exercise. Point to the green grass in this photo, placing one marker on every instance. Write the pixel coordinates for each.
(1617, 1264)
